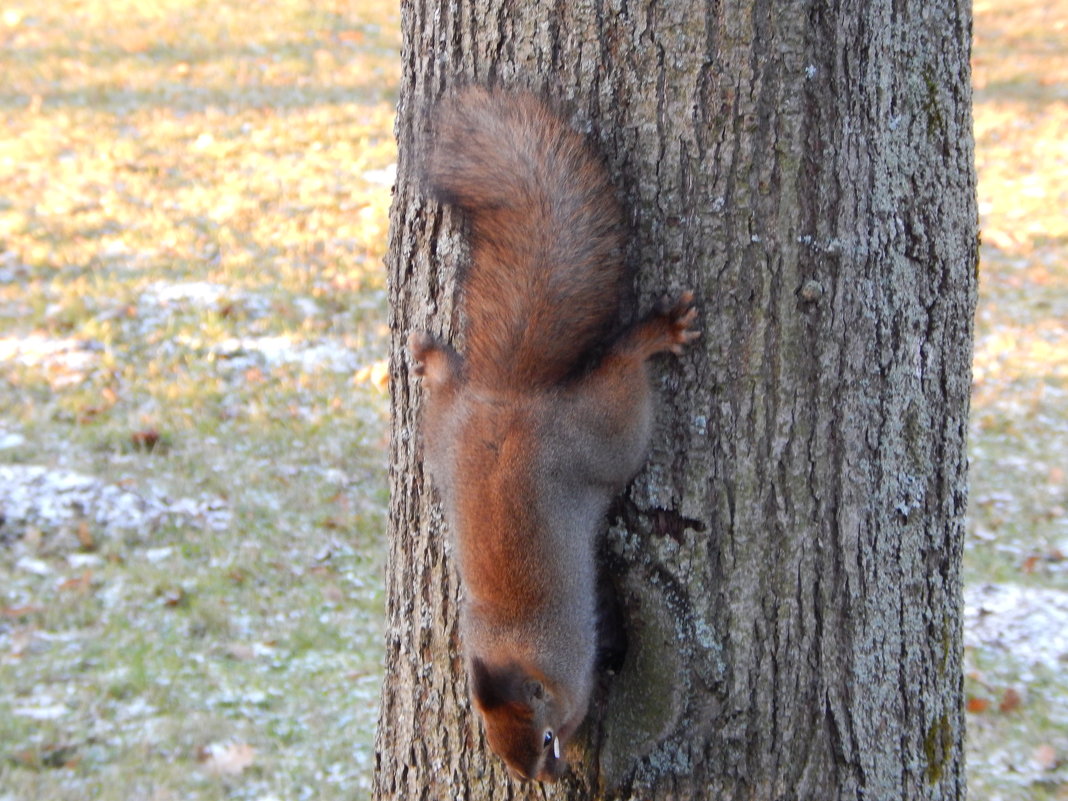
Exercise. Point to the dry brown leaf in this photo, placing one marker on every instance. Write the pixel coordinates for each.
(227, 759)
(20, 611)
(352, 37)
(173, 596)
(78, 583)
(146, 439)
(1010, 700)
(85, 536)
(1045, 757)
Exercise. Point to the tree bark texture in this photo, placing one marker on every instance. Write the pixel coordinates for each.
(789, 561)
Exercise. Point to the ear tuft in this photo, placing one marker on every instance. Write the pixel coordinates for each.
(488, 689)
(510, 685)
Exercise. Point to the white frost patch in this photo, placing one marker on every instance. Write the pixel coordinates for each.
(70, 357)
(9, 440)
(34, 497)
(49, 712)
(29, 565)
(1029, 624)
(278, 350)
(201, 293)
(160, 299)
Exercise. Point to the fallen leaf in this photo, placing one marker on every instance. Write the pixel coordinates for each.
(85, 536)
(20, 611)
(1010, 700)
(173, 596)
(227, 759)
(978, 705)
(352, 37)
(27, 758)
(78, 583)
(1045, 756)
(90, 413)
(145, 440)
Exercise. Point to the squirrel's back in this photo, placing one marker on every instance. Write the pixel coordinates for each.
(547, 273)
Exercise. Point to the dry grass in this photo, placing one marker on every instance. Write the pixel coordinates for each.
(1018, 729)
(193, 208)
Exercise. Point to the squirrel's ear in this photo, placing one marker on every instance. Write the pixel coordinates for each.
(485, 687)
(493, 688)
(535, 691)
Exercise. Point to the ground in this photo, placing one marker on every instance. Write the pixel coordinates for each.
(192, 445)
(193, 431)
(1016, 564)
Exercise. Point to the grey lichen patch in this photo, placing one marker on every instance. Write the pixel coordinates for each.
(938, 748)
(936, 121)
(645, 701)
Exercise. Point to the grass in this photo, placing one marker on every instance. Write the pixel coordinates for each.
(193, 205)
(1018, 726)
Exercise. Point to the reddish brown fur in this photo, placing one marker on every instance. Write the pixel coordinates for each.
(526, 441)
(541, 239)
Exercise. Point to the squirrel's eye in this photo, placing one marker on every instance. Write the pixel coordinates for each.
(547, 740)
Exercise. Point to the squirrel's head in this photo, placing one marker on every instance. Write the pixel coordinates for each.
(527, 723)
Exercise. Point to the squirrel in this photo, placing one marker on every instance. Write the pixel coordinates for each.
(530, 434)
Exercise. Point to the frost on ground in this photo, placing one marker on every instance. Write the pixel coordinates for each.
(1030, 624)
(272, 351)
(64, 360)
(48, 500)
(1016, 659)
(162, 298)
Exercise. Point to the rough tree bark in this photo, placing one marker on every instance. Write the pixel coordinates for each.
(790, 559)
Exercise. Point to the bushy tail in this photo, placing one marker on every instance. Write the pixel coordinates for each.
(547, 274)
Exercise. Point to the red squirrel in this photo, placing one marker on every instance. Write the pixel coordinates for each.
(544, 418)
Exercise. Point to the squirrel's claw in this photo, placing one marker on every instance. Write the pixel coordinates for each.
(680, 315)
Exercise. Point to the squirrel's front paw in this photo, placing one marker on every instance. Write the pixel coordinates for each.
(420, 344)
(676, 318)
(433, 359)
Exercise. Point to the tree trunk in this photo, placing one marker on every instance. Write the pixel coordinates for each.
(789, 561)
